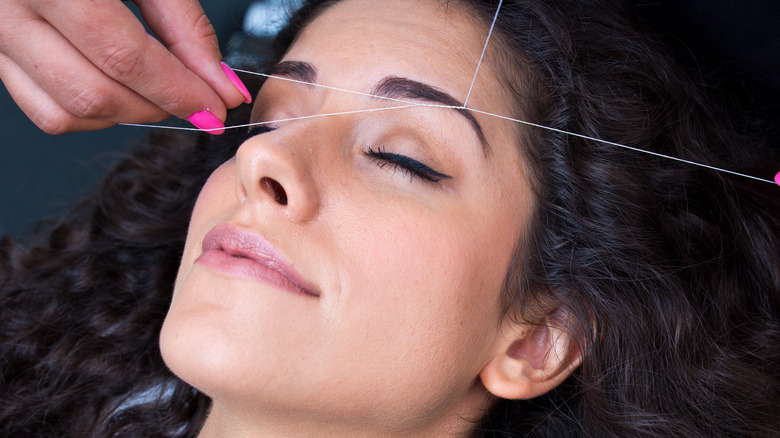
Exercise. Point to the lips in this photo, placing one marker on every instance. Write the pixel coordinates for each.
(245, 254)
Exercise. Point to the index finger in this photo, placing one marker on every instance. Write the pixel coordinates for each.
(187, 32)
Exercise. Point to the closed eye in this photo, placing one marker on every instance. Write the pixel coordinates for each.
(408, 165)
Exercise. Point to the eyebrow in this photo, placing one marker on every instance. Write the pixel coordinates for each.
(395, 87)
(392, 87)
(298, 70)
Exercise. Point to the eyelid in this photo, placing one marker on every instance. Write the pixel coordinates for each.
(408, 165)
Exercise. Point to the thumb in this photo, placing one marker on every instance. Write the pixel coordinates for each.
(183, 27)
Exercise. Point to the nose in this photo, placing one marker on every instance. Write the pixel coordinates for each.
(274, 171)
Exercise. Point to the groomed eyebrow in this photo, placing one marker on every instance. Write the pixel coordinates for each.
(395, 87)
(298, 70)
(392, 87)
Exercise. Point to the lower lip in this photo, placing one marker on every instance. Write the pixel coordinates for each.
(249, 269)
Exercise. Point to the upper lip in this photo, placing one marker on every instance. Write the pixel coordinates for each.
(242, 243)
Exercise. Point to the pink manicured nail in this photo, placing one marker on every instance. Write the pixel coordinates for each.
(237, 82)
(208, 122)
(777, 178)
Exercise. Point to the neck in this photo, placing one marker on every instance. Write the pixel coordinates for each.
(223, 422)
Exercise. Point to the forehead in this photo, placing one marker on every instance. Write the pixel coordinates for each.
(431, 41)
(355, 43)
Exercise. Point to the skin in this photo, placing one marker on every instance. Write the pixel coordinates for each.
(408, 271)
(92, 63)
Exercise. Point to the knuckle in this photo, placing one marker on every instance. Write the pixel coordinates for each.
(204, 29)
(125, 64)
(177, 105)
(91, 104)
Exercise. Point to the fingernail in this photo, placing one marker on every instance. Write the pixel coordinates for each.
(206, 121)
(237, 82)
(777, 178)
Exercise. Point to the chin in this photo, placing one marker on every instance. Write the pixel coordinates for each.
(196, 349)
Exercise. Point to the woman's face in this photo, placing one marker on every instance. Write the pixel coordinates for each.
(328, 275)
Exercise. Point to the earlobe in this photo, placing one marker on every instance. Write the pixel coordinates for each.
(532, 359)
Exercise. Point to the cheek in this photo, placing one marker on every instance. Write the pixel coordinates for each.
(423, 292)
(214, 202)
(439, 261)
(442, 270)
(178, 339)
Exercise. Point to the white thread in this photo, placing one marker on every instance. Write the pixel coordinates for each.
(620, 145)
(409, 104)
(320, 85)
(484, 49)
(178, 128)
(268, 122)
(427, 105)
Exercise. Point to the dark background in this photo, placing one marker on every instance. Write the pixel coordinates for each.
(42, 175)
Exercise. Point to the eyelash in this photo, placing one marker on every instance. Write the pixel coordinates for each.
(409, 166)
(259, 129)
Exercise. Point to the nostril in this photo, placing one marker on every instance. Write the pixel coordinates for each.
(274, 189)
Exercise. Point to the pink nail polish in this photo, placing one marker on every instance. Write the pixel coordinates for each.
(777, 178)
(207, 122)
(237, 82)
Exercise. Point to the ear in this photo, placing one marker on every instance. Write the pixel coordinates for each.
(532, 358)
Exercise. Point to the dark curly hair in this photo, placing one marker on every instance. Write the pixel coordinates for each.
(671, 271)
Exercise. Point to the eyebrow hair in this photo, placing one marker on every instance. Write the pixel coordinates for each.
(395, 87)
(392, 87)
(298, 70)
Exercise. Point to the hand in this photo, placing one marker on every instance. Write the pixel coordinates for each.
(88, 64)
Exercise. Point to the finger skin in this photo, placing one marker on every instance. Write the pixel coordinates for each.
(39, 107)
(111, 37)
(68, 77)
(187, 32)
